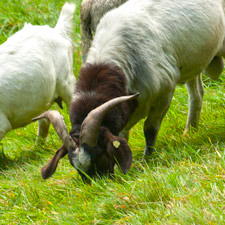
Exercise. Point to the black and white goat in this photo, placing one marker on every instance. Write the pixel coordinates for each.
(91, 12)
(36, 70)
(144, 47)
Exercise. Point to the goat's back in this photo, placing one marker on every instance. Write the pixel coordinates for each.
(159, 42)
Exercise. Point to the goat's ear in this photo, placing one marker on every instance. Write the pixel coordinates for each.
(118, 149)
(50, 167)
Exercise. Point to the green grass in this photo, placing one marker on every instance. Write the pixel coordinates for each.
(183, 183)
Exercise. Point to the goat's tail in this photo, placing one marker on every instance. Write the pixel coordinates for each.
(65, 21)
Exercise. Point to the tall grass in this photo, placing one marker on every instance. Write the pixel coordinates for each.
(183, 182)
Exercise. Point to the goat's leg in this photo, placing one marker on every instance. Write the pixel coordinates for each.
(5, 126)
(43, 127)
(153, 121)
(196, 92)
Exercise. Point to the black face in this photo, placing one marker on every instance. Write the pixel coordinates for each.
(91, 162)
(94, 161)
(100, 160)
(100, 166)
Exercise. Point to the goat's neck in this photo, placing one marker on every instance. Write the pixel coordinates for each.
(98, 84)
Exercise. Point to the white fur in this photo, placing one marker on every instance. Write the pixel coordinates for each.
(36, 68)
(81, 160)
(159, 43)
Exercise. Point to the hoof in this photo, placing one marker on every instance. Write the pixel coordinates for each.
(147, 153)
(146, 158)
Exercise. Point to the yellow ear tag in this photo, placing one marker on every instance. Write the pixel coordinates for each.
(116, 144)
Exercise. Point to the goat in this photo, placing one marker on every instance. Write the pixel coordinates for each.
(91, 11)
(144, 47)
(36, 70)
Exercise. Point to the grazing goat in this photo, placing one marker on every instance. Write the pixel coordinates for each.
(36, 70)
(91, 11)
(144, 47)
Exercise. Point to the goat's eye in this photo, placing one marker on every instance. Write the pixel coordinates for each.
(75, 135)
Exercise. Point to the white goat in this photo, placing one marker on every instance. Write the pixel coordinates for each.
(36, 70)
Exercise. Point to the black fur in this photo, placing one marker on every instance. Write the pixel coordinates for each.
(98, 84)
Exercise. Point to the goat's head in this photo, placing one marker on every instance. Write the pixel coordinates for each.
(95, 150)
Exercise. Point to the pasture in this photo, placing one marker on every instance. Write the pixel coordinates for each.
(183, 182)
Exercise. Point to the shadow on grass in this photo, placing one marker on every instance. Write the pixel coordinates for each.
(36, 154)
(178, 147)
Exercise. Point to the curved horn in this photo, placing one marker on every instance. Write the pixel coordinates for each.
(91, 124)
(58, 123)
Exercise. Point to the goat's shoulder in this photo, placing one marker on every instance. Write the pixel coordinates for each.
(102, 78)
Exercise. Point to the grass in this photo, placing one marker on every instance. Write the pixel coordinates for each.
(183, 183)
